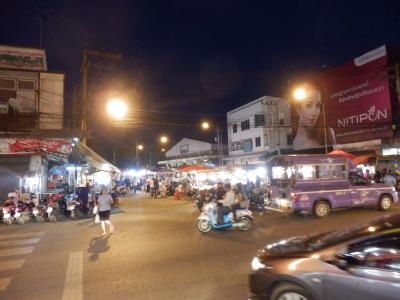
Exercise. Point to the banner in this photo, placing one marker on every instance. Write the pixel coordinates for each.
(22, 58)
(10, 146)
(356, 100)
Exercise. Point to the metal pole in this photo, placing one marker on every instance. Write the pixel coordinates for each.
(323, 113)
(137, 154)
(219, 145)
(150, 159)
(279, 135)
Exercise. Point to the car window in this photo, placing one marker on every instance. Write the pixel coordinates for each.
(389, 240)
(383, 258)
(358, 180)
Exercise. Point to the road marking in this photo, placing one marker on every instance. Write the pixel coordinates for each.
(4, 283)
(13, 236)
(274, 209)
(11, 264)
(19, 242)
(16, 251)
(73, 278)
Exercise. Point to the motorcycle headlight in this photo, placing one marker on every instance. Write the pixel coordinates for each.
(256, 264)
(393, 189)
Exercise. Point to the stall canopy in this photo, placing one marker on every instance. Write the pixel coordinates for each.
(84, 153)
(362, 159)
(343, 153)
(190, 168)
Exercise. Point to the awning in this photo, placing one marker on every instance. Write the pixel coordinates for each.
(343, 153)
(86, 154)
(190, 168)
(362, 159)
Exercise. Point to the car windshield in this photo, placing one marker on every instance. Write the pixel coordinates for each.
(351, 232)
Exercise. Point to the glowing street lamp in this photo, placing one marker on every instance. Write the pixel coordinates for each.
(117, 109)
(205, 125)
(300, 94)
(164, 139)
(140, 147)
(163, 150)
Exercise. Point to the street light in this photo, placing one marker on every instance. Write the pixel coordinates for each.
(163, 150)
(205, 125)
(299, 94)
(164, 139)
(140, 147)
(117, 108)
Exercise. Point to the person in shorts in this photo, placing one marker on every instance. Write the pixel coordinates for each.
(104, 202)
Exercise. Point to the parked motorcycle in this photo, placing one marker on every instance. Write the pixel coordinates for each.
(39, 213)
(208, 219)
(8, 212)
(22, 213)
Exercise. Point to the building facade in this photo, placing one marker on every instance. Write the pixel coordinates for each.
(258, 129)
(191, 152)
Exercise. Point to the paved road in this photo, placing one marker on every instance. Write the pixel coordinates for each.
(155, 253)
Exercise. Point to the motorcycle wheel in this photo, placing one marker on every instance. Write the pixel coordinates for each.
(244, 223)
(8, 221)
(39, 219)
(204, 226)
(21, 220)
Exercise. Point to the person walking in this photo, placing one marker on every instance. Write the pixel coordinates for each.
(104, 202)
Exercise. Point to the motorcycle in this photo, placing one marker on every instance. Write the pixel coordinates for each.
(22, 213)
(8, 212)
(121, 190)
(39, 213)
(208, 219)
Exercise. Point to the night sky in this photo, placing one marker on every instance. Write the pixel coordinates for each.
(200, 57)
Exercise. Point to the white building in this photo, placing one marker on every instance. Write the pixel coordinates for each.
(257, 129)
(191, 152)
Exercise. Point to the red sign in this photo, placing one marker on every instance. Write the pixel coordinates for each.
(357, 99)
(36, 145)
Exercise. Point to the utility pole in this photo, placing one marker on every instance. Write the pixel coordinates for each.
(75, 109)
(219, 141)
(137, 154)
(85, 70)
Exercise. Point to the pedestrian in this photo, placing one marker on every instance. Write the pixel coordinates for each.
(389, 179)
(155, 187)
(148, 186)
(104, 202)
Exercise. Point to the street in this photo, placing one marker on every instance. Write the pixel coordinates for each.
(155, 253)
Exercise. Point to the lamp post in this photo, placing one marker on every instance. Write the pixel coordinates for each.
(205, 125)
(137, 149)
(300, 94)
(274, 103)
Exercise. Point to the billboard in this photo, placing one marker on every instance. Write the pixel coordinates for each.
(22, 58)
(356, 100)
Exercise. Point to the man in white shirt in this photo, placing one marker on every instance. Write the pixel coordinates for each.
(227, 203)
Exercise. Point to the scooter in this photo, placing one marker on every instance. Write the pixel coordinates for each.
(208, 219)
(8, 212)
(22, 213)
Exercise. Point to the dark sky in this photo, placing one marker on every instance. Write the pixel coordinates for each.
(202, 57)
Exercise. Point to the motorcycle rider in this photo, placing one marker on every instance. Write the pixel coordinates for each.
(241, 199)
(226, 203)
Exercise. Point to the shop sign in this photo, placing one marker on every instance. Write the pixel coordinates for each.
(61, 147)
(22, 58)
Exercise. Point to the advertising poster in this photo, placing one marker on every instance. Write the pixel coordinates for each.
(21, 145)
(356, 100)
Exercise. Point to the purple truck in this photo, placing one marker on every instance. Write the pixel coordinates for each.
(319, 183)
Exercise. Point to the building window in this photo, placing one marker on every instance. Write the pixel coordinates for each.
(258, 141)
(259, 121)
(234, 128)
(289, 139)
(26, 84)
(245, 125)
(7, 84)
(281, 122)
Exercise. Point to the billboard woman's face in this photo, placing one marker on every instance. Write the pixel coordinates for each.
(309, 110)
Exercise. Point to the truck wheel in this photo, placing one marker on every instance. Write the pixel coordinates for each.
(385, 202)
(321, 209)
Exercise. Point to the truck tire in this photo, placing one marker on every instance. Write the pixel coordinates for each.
(385, 202)
(321, 209)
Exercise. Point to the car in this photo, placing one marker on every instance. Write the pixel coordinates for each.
(317, 184)
(357, 262)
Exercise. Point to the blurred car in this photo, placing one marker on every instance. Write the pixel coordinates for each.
(357, 262)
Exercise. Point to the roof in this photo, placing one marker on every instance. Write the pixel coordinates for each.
(251, 103)
(94, 159)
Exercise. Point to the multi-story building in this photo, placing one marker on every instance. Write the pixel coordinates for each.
(258, 129)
